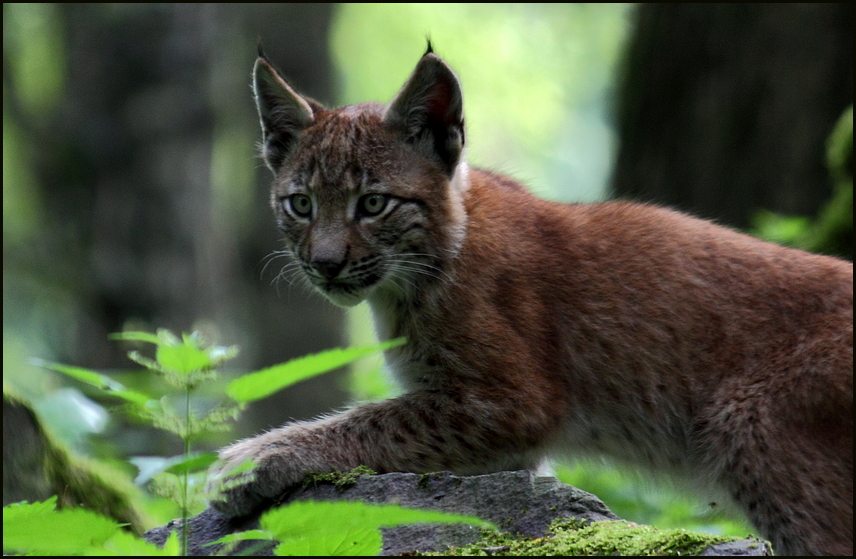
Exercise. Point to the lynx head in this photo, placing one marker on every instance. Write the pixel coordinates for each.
(369, 197)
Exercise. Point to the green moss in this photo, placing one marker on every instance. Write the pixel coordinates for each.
(425, 479)
(48, 467)
(576, 537)
(337, 478)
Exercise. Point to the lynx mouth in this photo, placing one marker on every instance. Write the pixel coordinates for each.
(349, 288)
(341, 293)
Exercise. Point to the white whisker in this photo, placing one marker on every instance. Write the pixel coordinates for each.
(273, 256)
(287, 273)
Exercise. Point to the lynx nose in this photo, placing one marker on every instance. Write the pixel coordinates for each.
(328, 253)
(328, 268)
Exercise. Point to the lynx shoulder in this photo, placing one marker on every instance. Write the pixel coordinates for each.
(540, 329)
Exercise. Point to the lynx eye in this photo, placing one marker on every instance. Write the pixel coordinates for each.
(300, 204)
(372, 204)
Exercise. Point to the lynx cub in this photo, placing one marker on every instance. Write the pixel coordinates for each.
(540, 329)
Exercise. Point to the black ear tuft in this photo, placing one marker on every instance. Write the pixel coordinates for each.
(259, 47)
(430, 50)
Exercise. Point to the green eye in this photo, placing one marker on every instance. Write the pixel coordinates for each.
(372, 204)
(301, 205)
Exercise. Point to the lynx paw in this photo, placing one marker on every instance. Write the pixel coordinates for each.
(245, 478)
(239, 500)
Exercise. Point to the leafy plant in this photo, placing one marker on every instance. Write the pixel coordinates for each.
(185, 363)
(41, 529)
(303, 528)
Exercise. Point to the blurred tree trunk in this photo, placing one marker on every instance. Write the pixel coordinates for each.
(724, 109)
(37, 467)
(139, 228)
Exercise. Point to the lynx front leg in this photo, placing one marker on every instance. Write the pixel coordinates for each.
(418, 432)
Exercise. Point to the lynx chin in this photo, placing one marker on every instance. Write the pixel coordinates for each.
(537, 329)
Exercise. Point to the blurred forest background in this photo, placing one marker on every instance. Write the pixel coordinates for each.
(133, 197)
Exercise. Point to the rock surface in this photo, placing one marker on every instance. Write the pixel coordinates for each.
(517, 502)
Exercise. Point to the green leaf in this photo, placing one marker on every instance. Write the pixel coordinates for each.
(218, 354)
(182, 359)
(150, 466)
(123, 544)
(349, 543)
(180, 356)
(193, 462)
(99, 381)
(236, 475)
(136, 337)
(260, 384)
(140, 359)
(243, 536)
(345, 528)
(39, 529)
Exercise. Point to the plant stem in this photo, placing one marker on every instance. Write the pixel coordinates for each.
(185, 476)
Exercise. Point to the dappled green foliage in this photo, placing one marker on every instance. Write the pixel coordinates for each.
(185, 362)
(831, 231)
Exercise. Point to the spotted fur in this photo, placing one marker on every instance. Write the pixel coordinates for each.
(542, 329)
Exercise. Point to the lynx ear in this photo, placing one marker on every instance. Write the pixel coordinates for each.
(429, 110)
(284, 114)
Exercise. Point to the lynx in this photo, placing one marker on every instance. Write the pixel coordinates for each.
(541, 329)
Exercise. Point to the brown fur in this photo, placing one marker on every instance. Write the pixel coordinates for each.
(536, 328)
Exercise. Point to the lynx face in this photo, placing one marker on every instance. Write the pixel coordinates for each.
(364, 211)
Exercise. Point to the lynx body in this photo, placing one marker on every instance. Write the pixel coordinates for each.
(536, 328)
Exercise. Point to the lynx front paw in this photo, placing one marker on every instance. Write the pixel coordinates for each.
(248, 476)
(237, 500)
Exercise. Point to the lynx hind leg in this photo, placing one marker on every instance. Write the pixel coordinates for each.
(791, 473)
